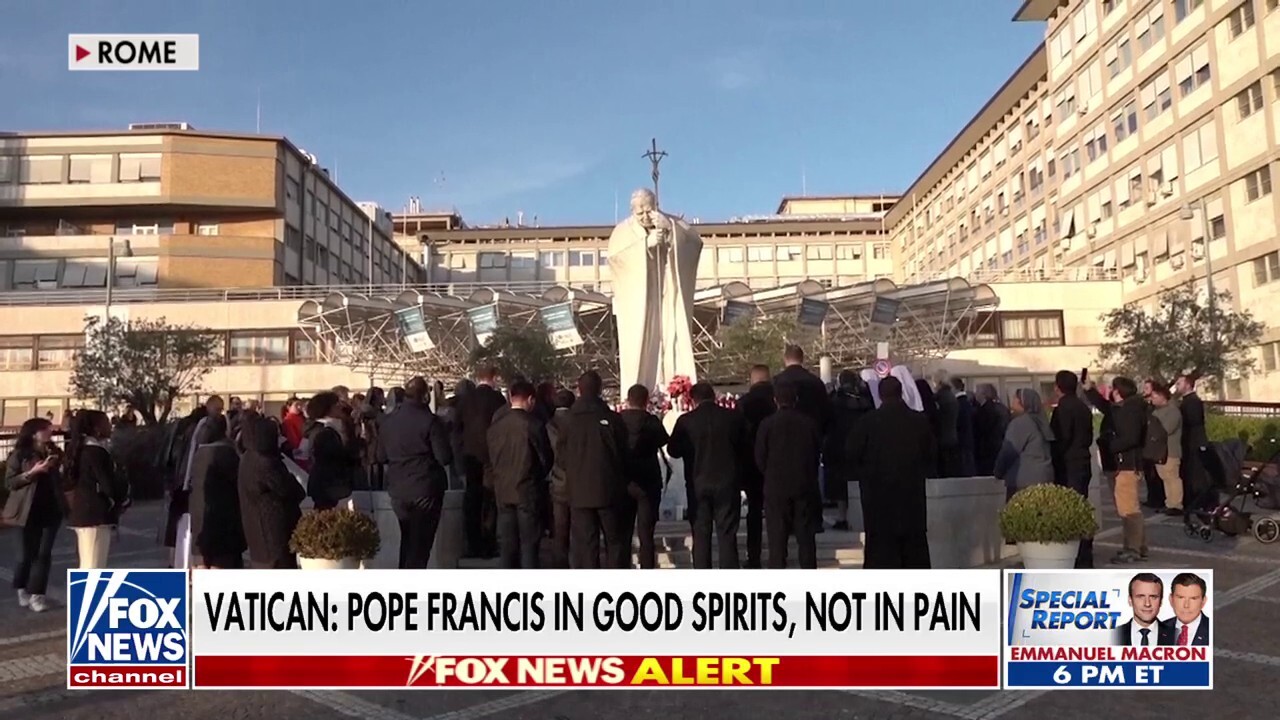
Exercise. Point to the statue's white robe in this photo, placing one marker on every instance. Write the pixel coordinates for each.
(653, 302)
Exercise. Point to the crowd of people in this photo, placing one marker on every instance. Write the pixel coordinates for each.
(549, 464)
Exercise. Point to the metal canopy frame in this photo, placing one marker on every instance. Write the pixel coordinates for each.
(361, 332)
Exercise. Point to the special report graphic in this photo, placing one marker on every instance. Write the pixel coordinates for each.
(1109, 629)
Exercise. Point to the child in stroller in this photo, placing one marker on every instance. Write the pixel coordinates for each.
(1224, 466)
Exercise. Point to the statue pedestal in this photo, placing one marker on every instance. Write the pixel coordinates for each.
(964, 520)
(675, 501)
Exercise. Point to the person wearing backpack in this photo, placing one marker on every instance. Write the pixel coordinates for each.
(1169, 420)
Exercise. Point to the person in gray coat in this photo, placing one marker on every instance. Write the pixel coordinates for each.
(1024, 459)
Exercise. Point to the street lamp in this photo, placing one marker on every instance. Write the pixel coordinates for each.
(1188, 212)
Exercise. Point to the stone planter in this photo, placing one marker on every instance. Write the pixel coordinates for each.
(963, 520)
(307, 563)
(1048, 556)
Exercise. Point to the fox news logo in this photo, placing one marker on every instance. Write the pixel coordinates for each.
(133, 52)
(127, 629)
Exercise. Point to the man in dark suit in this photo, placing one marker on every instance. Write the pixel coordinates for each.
(812, 392)
(712, 441)
(418, 452)
(475, 412)
(964, 428)
(787, 449)
(893, 451)
(755, 405)
(1189, 625)
(645, 438)
(1071, 449)
(592, 448)
(1194, 440)
(1146, 593)
(520, 460)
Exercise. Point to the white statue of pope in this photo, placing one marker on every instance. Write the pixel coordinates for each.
(653, 266)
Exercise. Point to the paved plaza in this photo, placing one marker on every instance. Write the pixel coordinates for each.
(32, 664)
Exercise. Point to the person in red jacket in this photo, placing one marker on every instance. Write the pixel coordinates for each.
(294, 422)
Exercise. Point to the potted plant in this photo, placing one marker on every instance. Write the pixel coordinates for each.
(334, 539)
(1047, 522)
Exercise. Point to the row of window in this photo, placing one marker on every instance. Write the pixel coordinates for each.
(81, 273)
(1000, 329)
(79, 169)
(549, 259)
(247, 347)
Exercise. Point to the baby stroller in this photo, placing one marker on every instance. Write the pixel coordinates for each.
(1224, 466)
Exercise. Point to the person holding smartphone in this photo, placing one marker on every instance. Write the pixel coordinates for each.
(32, 477)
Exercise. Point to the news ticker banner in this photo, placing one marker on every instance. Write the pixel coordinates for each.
(1139, 628)
(375, 629)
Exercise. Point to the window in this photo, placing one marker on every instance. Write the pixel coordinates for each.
(1070, 161)
(819, 252)
(58, 352)
(524, 261)
(1091, 82)
(582, 258)
(15, 412)
(1257, 183)
(1030, 329)
(1062, 44)
(491, 260)
(303, 349)
(552, 259)
(87, 169)
(1217, 227)
(789, 253)
(1033, 127)
(1156, 95)
(1085, 21)
(848, 252)
(291, 189)
(1125, 122)
(35, 274)
(258, 348)
(1096, 143)
(8, 169)
(1066, 103)
(1270, 357)
(759, 253)
(1241, 19)
(293, 238)
(207, 229)
(40, 169)
(1119, 56)
(1183, 8)
(135, 272)
(1200, 146)
(1249, 100)
(1150, 27)
(139, 167)
(1266, 269)
(1193, 70)
(880, 251)
(17, 352)
(1109, 6)
(84, 274)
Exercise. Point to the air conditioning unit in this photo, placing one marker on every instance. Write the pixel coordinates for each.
(1152, 197)
(1064, 244)
(1177, 261)
(1167, 190)
(1140, 276)
(1197, 250)
(1092, 232)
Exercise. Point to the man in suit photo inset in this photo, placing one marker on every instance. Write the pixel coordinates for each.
(1189, 625)
(1146, 593)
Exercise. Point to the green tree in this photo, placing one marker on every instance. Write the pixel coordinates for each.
(143, 363)
(522, 350)
(752, 341)
(1178, 337)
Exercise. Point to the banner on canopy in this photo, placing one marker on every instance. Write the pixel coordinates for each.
(413, 326)
(562, 325)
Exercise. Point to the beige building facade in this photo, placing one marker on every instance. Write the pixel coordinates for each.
(1137, 144)
(178, 208)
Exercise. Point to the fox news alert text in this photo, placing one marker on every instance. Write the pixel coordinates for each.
(695, 629)
(1108, 629)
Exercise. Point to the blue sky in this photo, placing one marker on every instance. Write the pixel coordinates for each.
(499, 106)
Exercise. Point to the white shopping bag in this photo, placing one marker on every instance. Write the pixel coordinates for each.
(182, 543)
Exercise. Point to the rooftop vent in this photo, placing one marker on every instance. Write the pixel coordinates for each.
(161, 126)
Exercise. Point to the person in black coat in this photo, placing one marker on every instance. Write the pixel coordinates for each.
(592, 444)
(270, 498)
(416, 445)
(217, 534)
(177, 458)
(1071, 449)
(944, 398)
(787, 450)
(713, 443)
(929, 401)
(560, 510)
(756, 404)
(33, 477)
(645, 439)
(849, 404)
(335, 451)
(964, 428)
(893, 452)
(519, 462)
(1129, 414)
(98, 496)
(1195, 440)
(1106, 429)
(474, 414)
(990, 420)
(814, 400)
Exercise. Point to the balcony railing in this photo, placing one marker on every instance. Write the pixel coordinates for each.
(1025, 275)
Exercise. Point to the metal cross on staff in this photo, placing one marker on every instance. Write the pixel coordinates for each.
(654, 156)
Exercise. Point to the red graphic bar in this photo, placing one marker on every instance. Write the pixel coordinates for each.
(387, 671)
(126, 676)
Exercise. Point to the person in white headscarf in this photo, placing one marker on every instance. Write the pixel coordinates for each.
(910, 393)
(872, 379)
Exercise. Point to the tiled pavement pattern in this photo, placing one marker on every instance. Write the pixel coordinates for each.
(32, 648)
